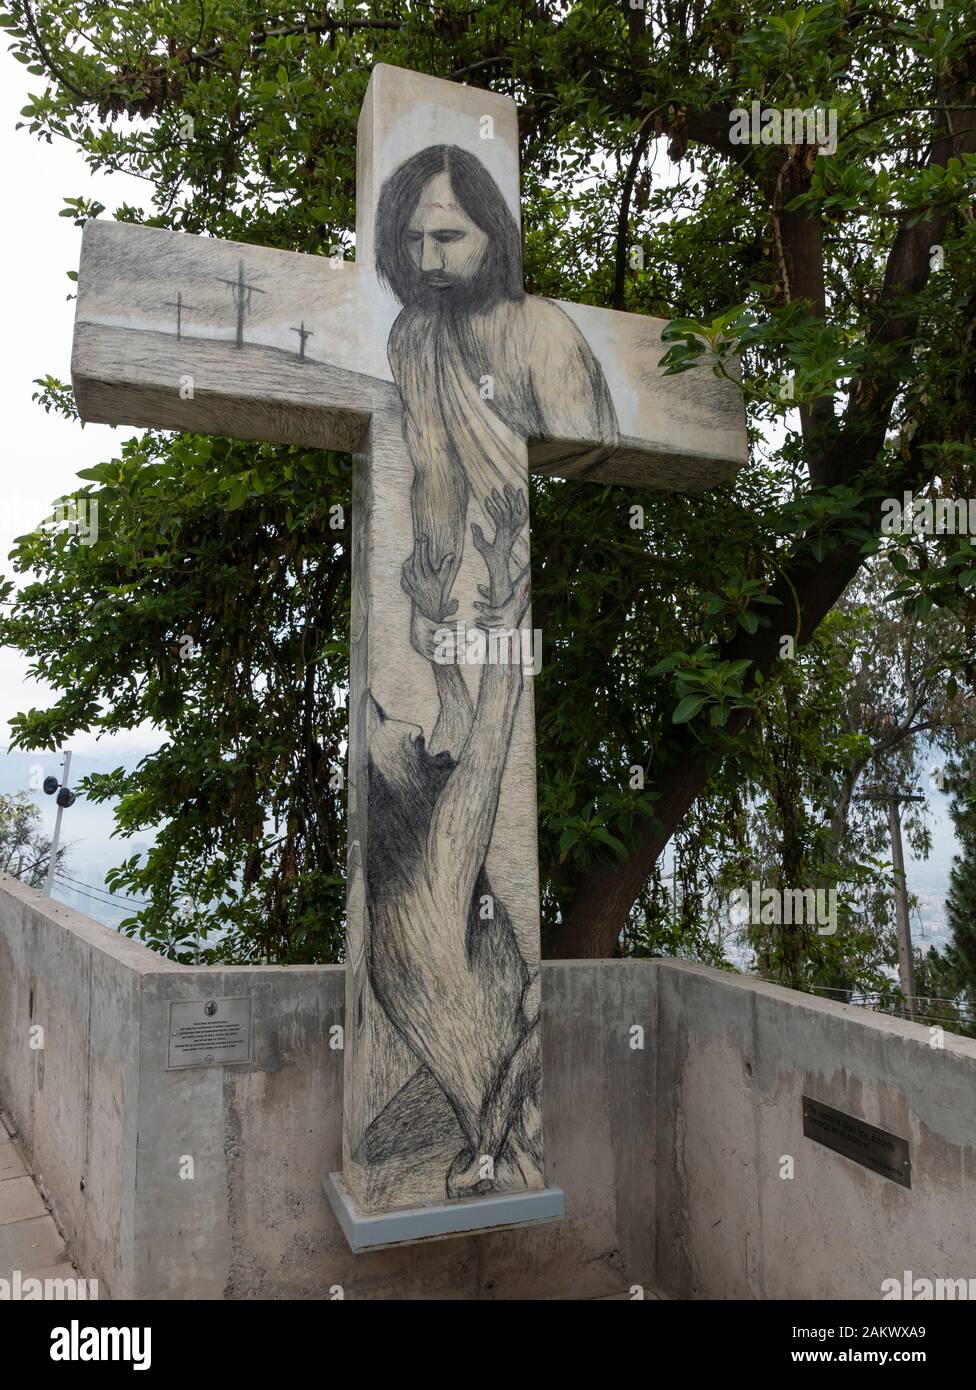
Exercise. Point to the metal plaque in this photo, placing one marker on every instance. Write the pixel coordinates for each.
(874, 1148)
(209, 1032)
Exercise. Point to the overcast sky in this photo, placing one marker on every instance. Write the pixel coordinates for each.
(44, 452)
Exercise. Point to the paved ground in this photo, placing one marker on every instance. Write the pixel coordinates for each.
(29, 1239)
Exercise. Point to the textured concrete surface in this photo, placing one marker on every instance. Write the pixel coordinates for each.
(252, 1221)
(11, 1163)
(69, 1068)
(670, 1153)
(29, 1240)
(735, 1057)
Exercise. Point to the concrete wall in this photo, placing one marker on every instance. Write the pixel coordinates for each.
(253, 1222)
(75, 1099)
(735, 1057)
(669, 1154)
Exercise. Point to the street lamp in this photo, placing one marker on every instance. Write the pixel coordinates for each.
(66, 797)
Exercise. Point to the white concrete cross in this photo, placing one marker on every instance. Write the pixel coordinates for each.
(426, 360)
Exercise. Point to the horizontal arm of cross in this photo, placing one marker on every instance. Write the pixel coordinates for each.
(129, 367)
(680, 433)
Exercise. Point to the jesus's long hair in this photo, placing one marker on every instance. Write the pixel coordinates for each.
(500, 275)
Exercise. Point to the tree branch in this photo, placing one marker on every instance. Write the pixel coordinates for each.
(623, 220)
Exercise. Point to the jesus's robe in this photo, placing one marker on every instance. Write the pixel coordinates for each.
(476, 386)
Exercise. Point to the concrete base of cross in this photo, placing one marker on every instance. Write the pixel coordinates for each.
(410, 1224)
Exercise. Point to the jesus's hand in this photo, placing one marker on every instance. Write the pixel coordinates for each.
(508, 513)
(428, 586)
(427, 583)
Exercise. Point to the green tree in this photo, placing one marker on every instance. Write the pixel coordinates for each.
(846, 279)
(961, 901)
(25, 852)
(940, 999)
(870, 703)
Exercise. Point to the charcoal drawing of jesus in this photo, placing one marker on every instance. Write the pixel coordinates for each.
(482, 370)
(478, 363)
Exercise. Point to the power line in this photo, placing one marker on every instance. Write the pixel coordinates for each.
(102, 902)
(879, 994)
(85, 893)
(93, 897)
(124, 897)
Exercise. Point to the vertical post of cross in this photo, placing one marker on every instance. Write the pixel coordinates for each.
(415, 1082)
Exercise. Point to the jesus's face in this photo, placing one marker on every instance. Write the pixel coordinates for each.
(445, 246)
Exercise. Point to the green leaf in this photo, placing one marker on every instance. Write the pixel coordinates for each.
(567, 839)
(688, 708)
(616, 845)
(99, 472)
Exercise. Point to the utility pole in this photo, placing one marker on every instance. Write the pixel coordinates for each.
(65, 798)
(242, 292)
(906, 961)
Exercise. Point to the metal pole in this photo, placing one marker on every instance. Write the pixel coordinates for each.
(57, 825)
(906, 961)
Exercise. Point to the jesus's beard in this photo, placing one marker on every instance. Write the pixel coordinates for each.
(454, 296)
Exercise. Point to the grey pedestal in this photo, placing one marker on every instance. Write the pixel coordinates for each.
(409, 1224)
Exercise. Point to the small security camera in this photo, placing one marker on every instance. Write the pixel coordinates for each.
(66, 797)
(50, 785)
